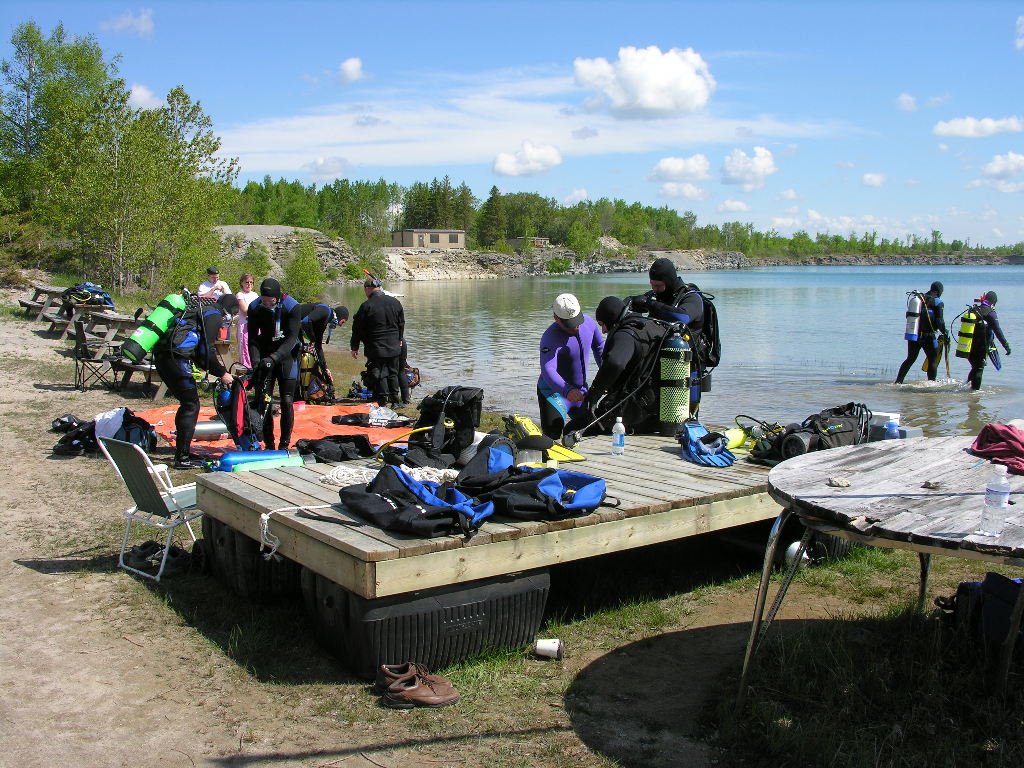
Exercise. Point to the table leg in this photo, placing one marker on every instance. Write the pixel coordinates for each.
(926, 566)
(1006, 649)
(757, 628)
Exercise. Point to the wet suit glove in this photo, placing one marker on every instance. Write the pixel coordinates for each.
(267, 363)
(1007, 351)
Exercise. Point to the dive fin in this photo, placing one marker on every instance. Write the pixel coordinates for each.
(561, 453)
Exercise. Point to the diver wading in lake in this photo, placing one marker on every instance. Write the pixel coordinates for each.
(925, 330)
(979, 328)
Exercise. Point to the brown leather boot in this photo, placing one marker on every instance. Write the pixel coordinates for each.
(417, 691)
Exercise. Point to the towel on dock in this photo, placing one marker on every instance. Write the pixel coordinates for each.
(1003, 443)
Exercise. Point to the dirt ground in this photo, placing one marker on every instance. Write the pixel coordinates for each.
(100, 669)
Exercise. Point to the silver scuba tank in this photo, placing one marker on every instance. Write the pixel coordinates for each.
(673, 384)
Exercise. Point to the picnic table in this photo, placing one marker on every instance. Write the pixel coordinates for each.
(106, 325)
(923, 494)
(44, 299)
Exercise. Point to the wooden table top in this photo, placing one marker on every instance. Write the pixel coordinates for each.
(927, 492)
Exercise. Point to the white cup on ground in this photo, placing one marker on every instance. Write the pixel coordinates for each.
(549, 649)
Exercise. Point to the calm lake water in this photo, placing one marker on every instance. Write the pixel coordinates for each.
(795, 340)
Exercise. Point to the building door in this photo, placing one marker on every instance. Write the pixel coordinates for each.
(420, 240)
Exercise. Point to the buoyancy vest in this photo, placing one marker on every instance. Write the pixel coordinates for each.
(649, 336)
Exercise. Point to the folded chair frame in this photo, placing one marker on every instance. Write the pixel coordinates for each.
(158, 502)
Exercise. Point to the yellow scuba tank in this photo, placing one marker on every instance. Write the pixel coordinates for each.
(307, 364)
(156, 324)
(914, 305)
(673, 385)
(965, 337)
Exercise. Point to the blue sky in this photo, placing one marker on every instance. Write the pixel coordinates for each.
(894, 117)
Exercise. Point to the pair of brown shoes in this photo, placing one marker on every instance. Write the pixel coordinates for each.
(404, 686)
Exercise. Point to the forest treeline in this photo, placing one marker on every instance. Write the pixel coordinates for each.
(95, 185)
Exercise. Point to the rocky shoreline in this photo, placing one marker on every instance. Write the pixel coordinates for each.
(612, 257)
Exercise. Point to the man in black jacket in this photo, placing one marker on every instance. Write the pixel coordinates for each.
(188, 343)
(379, 325)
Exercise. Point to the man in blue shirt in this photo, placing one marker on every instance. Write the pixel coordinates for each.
(562, 385)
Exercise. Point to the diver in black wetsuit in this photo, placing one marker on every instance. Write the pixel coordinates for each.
(314, 320)
(274, 345)
(187, 343)
(675, 301)
(985, 308)
(931, 334)
(625, 385)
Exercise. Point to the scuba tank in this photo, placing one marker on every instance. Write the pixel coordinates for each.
(914, 305)
(156, 324)
(673, 384)
(965, 337)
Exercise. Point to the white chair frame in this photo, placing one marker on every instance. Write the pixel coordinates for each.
(158, 502)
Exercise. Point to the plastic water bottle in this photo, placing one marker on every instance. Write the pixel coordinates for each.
(618, 437)
(997, 498)
(892, 430)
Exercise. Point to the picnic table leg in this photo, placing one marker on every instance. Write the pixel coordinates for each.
(757, 628)
(1009, 643)
(922, 591)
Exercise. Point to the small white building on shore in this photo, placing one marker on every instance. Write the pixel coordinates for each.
(428, 238)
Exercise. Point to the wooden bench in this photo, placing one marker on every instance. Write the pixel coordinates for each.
(124, 370)
(32, 308)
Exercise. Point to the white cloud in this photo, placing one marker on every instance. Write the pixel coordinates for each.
(576, 196)
(906, 102)
(749, 172)
(468, 120)
(785, 222)
(1004, 166)
(732, 206)
(937, 101)
(364, 121)
(327, 168)
(140, 97)
(1003, 173)
(943, 147)
(1019, 42)
(586, 132)
(693, 168)
(845, 164)
(682, 189)
(973, 128)
(646, 83)
(789, 194)
(129, 23)
(350, 70)
(873, 179)
(529, 160)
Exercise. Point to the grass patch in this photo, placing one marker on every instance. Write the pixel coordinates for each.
(895, 689)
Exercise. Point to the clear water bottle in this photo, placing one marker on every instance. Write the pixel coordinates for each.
(892, 430)
(997, 498)
(618, 437)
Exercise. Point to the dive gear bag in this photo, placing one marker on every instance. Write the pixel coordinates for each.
(842, 425)
(537, 493)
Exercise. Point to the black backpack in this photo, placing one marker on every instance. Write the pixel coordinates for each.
(709, 341)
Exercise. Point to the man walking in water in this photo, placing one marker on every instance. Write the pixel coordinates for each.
(931, 334)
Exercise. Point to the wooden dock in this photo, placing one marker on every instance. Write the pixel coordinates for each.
(663, 498)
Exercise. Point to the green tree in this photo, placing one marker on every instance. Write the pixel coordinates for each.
(492, 225)
(304, 277)
(582, 239)
(47, 84)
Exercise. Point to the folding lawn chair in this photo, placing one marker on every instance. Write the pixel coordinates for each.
(158, 502)
(90, 369)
